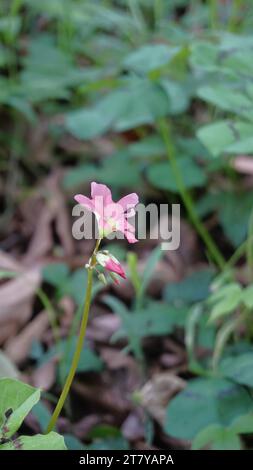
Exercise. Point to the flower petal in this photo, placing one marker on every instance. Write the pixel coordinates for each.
(130, 237)
(101, 190)
(128, 230)
(129, 201)
(114, 267)
(84, 201)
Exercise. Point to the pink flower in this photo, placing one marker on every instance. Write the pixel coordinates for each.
(111, 216)
(110, 263)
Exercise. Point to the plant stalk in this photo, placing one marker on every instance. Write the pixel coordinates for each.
(79, 345)
(186, 197)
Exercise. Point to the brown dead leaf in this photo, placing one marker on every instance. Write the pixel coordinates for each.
(8, 330)
(142, 445)
(170, 360)
(187, 251)
(133, 427)
(17, 298)
(116, 359)
(157, 392)
(42, 240)
(46, 206)
(85, 425)
(102, 327)
(243, 164)
(8, 263)
(61, 213)
(18, 348)
(103, 396)
(44, 376)
(39, 141)
(68, 306)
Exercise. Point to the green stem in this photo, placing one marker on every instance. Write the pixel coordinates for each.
(234, 19)
(137, 15)
(158, 12)
(79, 345)
(213, 14)
(52, 316)
(186, 197)
(249, 251)
(239, 252)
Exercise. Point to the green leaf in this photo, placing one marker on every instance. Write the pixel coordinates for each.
(149, 147)
(76, 285)
(232, 203)
(117, 443)
(239, 368)
(161, 175)
(226, 301)
(79, 175)
(143, 103)
(72, 442)
(217, 438)
(204, 55)
(229, 99)
(104, 431)
(139, 102)
(193, 288)
(18, 397)
(157, 319)
(48, 71)
(227, 203)
(206, 402)
(119, 172)
(243, 424)
(51, 441)
(222, 135)
(244, 146)
(177, 95)
(42, 415)
(114, 171)
(150, 267)
(132, 262)
(247, 296)
(90, 123)
(55, 273)
(89, 360)
(150, 57)
(10, 26)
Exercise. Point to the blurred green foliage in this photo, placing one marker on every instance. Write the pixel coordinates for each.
(113, 70)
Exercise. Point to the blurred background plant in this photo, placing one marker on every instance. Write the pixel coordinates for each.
(138, 94)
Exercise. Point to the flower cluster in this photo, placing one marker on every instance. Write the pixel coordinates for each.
(111, 217)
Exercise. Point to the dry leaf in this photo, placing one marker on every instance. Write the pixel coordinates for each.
(133, 427)
(85, 425)
(61, 213)
(46, 206)
(116, 359)
(8, 263)
(42, 240)
(101, 395)
(17, 298)
(8, 330)
(102, 327)
(18, 348)
(44, 376)
(157, 392)
(243, 164)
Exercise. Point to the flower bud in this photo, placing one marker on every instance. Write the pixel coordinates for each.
(110, 263)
